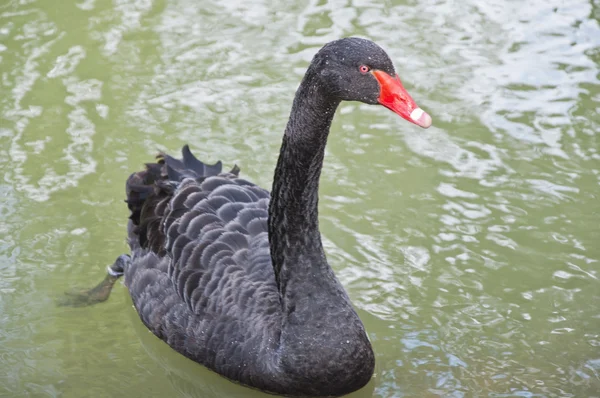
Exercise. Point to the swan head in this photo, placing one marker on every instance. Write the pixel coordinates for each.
(355, 69)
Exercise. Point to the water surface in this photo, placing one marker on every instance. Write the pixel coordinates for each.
(470, 249)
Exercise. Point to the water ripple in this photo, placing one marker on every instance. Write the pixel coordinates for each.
(469, 249)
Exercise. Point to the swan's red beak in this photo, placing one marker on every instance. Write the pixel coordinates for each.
(393, 96)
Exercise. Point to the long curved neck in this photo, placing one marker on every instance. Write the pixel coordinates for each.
(296, 247)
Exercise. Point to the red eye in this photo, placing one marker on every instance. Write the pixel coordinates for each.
(364, 69)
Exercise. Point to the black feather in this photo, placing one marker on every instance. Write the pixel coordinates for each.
(235, 278)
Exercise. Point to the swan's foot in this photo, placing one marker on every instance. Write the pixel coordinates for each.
(99, 293)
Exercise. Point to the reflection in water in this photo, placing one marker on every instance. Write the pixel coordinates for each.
(469, 249)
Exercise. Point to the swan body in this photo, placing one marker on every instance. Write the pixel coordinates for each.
(235, 277)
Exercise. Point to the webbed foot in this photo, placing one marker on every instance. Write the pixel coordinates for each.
(99, 293)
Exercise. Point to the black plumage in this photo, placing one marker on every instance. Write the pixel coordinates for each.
(236, 278)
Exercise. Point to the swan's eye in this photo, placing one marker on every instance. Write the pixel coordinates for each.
(364, 69)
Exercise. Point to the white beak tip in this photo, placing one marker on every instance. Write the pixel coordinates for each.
(420, 118)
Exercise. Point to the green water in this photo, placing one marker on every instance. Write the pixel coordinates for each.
(470, 249)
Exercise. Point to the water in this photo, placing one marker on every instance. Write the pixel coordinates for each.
(470, 249)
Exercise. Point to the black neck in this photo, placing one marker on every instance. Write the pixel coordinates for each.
(294, 236)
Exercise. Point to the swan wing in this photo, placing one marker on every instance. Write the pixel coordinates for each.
(211, 229)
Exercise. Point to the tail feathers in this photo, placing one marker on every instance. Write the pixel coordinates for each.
(140, 186)
(148, 191)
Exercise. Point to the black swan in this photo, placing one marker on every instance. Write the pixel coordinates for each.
(236, 278)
